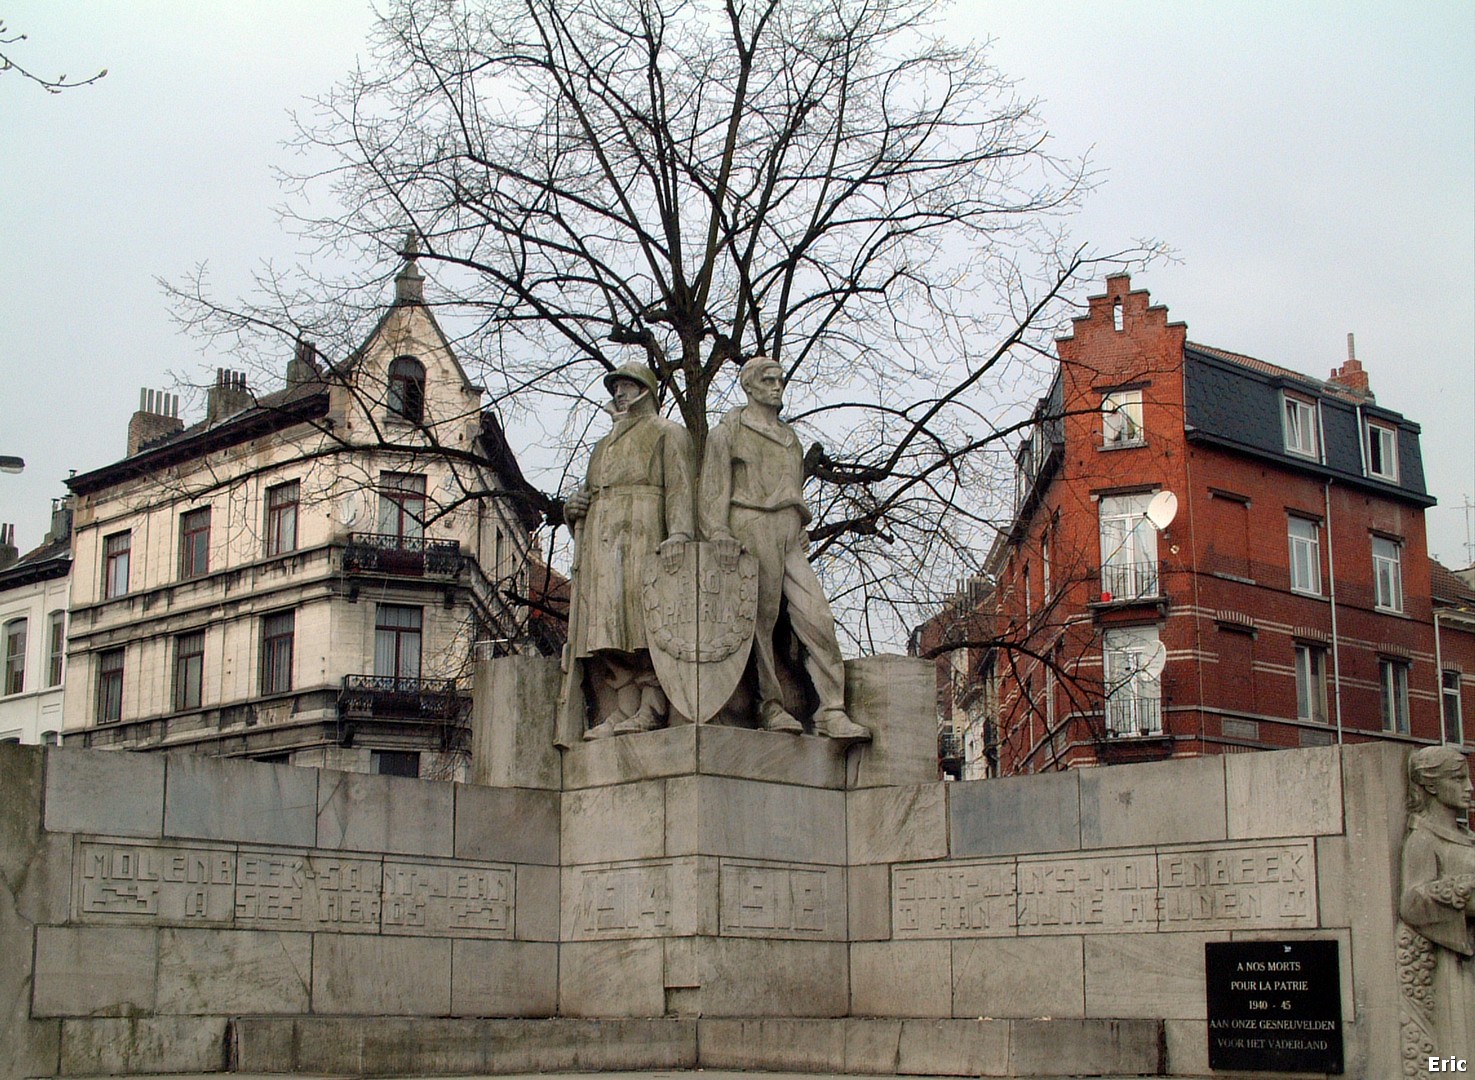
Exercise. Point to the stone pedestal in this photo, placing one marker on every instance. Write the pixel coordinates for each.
(515, 702)
(704, 875)
(704, 867)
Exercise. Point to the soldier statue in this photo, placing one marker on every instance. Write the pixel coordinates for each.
(752, 500)
(636, 501)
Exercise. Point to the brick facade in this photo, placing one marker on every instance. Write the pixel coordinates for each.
(1275, 474)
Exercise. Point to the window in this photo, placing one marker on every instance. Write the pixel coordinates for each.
(1393, 681)
(277, 632)
(407, 388)
(1387, 575)
(1305, 556)
(58, 648)
(1133, 693)
(1311, 684)
(394, 763)
(115, 552)
(15, 656)
(281, 518)
(397, 642)
(1449, 698)
(1045, 563)
(110, 686)
(401, 504)
(1382, 452)
(1299, 419)
(189, 670)
(1121, 418)
(194, 543)
(1128, 548)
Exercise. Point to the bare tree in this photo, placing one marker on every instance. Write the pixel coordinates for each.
(9, 39)
(691, 184)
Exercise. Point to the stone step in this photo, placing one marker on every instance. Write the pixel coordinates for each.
(1003, 1048)
(399, 1046)
(664, 1074)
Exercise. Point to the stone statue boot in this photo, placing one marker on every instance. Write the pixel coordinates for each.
(834, 724)
(776, 718)
(610, 725)
(650, 715)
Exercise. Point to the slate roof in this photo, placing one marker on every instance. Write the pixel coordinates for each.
(51, 559)
(1234, 401)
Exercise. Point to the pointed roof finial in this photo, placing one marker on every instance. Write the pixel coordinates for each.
(409, 283)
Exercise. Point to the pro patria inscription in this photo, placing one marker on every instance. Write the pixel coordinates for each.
(1227, 887)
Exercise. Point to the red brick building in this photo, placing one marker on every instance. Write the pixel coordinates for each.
(1288, 602)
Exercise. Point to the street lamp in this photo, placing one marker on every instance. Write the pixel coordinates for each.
(11, 464)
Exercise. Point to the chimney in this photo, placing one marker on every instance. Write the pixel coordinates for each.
(228, 396)
(157, 417)
(61, 520)
(303, 367)
(1350, 375)
(8, 551)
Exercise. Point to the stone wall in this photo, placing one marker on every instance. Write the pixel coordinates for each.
(1091, 894)
(740, 891)
(150, 898)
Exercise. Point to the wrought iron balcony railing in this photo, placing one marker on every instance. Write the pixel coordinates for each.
(399, 698)
(1125, 581)
(1128, 716)
(949, 745)
(412, 556)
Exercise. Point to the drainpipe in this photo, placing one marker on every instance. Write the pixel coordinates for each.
(1331, 573)
(1439, 680)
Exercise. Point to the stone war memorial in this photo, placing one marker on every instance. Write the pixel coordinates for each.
(704, 840)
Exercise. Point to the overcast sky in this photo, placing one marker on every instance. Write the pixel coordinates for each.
(1311, 164)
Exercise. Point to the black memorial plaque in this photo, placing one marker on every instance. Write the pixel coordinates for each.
(1274, 1006)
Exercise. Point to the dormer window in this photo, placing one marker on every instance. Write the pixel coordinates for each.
(1121, 418)
(1298, 417)
(1382, 452)
(407, 389)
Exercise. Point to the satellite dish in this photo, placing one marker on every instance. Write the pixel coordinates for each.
(348, 509)
(1155, 659)
(1161, 510)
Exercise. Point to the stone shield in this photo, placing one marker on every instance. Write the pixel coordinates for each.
(699, 625)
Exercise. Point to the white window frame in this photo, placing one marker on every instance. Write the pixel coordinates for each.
(1385, 439)
(1311, 684)
(16, 644)
(1298, 425)
(1305, 555)
(1129, 563)
(1133, 697)
(1393, 695)
(1121, 419)
(1449, 706)
(1387, 574)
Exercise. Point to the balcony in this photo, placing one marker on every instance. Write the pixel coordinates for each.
(390, 697)
(402, 556)
(950, 750)
(1128, 582)
(1128, 717)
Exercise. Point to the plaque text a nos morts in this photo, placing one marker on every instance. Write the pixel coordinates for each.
(1274, 1006)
